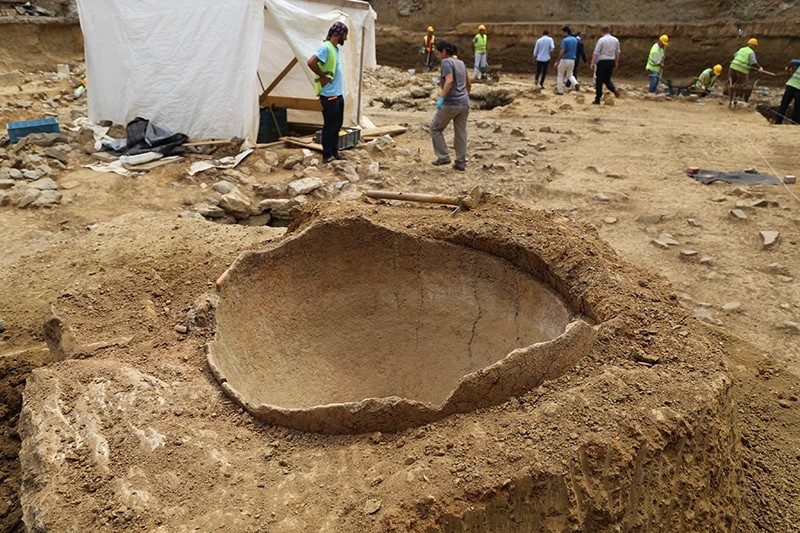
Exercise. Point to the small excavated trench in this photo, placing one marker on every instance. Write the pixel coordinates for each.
(351, 327)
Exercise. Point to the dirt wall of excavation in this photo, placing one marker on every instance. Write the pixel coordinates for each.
(701, 33)
(39, 43)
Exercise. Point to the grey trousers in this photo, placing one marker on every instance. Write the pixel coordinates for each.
(458, 114)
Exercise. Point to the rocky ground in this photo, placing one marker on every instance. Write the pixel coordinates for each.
(619, 167)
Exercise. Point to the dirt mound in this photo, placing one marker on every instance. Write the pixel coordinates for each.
(127, 426)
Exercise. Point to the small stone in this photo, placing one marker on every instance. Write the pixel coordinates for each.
(706, 260)
(694, 223)
(610, 220)
(180, 328)
(649, 219)
(731, 307)
(688, 253)
(702, 315)
(600, 197)
(371, 506)
(738, 214)
(223, 187)
(668, 239)
(788, 180)
(2, 326)
(768, 238)
(304, 186)
(790, 327)
(693, 170)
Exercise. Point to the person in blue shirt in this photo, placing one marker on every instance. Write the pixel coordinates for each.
(565, 64)
(326, 63)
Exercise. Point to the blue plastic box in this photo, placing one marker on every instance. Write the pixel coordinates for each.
(18, 130)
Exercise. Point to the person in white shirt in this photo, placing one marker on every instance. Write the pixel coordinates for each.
(605, 60)
(541, 56)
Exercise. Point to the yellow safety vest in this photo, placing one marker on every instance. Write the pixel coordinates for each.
(794, 81)
(741, 61)
(655, 59)
(428, 44)
(708, 74)
(328, 68)
(480, 43)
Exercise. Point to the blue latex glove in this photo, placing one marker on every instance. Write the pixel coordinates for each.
(439, 103)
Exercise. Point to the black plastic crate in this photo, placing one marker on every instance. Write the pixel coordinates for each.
(348, 137)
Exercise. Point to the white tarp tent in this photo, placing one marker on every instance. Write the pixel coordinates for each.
(199, 66)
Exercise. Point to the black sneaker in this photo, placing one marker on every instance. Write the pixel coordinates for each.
(616, 93)
(440, 162)
(461, 167)
(596, 102)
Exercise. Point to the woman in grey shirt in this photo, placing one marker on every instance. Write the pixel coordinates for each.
(452, 105)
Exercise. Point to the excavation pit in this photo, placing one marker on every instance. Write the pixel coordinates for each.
(350, 327)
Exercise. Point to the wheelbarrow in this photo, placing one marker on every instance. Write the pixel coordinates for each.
(738, 92)
(493, 72)
(678, 86)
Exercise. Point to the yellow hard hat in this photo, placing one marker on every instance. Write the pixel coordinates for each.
(481, 27)
(664, 39)
(717, 69)
(430, 28)
(752, 41)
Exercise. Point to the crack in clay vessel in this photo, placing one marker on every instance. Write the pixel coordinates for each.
(352, 327)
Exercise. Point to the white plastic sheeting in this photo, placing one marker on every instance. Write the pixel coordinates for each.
(184, 64)
(296, 28)
(198, 66)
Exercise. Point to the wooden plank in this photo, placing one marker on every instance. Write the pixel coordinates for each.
(154, 164)
(268, 145)
(384, 130)
(105, 156)
(305, 104)
(208, 143)
(278, 79)
(294, 141)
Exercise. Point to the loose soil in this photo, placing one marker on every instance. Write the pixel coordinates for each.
(602, 166)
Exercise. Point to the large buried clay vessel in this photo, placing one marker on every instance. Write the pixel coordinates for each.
(349, 327)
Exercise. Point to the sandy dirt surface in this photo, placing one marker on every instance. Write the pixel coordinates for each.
(604, 166)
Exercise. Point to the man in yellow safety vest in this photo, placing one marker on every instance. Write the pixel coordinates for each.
(655, 62)
(428, 50)
(706, 80)
(480, 44)
(792, 92)
(743, 60)
(326, 64)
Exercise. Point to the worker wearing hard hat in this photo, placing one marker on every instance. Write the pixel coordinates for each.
(479, 42)
(655, 62)
(428, 50)
(706, 80)
(743, 60)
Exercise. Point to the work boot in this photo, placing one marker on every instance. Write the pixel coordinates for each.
(461, 167)
(440, 162)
